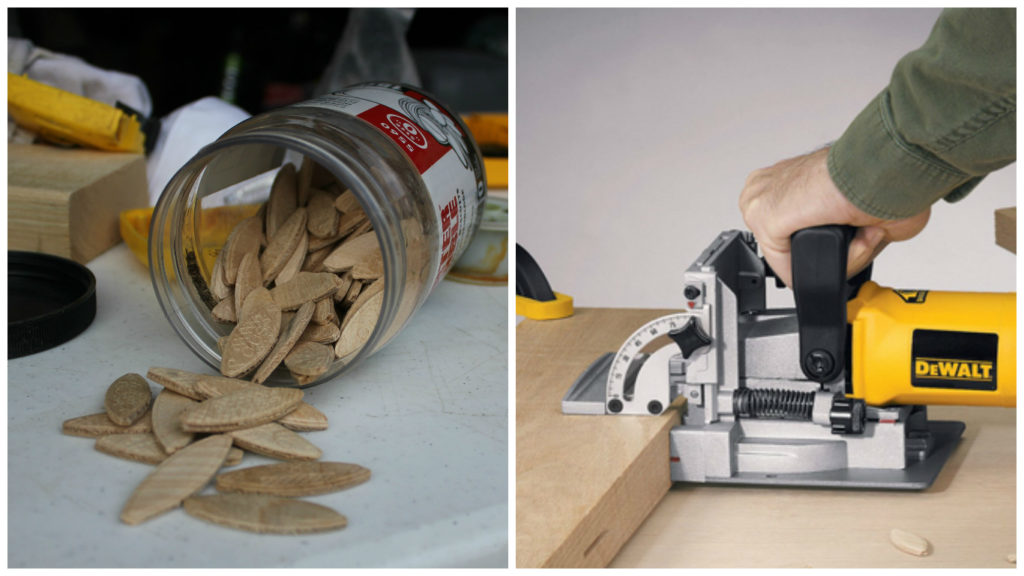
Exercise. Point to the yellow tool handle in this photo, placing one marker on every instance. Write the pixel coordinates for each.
(67, 118)
(931, 347)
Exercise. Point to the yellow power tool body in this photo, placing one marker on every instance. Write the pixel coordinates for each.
(930, 347)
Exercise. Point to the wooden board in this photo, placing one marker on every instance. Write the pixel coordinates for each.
(1006, 228)
(968, 515)
(583, 483)
(66, 202)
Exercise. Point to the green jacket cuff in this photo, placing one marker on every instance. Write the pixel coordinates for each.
(884, 175)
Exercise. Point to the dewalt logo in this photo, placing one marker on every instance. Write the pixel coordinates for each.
(954, 359)
(948, 369)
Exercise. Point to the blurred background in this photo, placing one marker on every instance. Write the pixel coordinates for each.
(260, 59)
(636, 129)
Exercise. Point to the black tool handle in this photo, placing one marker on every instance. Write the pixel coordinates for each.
(530, 280)
(821, 291)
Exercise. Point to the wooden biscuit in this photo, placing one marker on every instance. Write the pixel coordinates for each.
(177, 478)
(275, 441)
(285, 342)
(321, 333)
(249, 278)
(304, 287)
(322, 219)
(245, 408)
(294, 264)
(244, 238)
(293, 479)
(224, 311)
(136, 447)
(346, 203)
(283, 244)
(127, 399)
(235, 456)
(352, 294)
(167, 413)
(175, 380)
(352, 252)
(309, 359)
(96, 425)
(345, 284)
(358, 326)
(304, 418)
(324, 312)
(367, 292)
(283, 200)
(370, 267)
(254, 336)
(218, 287)
(264, 514)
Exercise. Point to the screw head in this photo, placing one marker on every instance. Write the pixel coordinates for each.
(691, 292)
(615, 405)
(818, 362)
(654, 407)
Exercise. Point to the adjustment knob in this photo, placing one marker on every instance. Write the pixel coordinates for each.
(847, 415)
(691, 337)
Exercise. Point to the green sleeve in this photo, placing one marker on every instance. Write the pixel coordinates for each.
(947, 119)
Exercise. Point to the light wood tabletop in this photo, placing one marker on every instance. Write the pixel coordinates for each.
(968, 515)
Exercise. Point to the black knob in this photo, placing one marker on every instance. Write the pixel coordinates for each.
(691, 292)
(691, 337)
(847, 415)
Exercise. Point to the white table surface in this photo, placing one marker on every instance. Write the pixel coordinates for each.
(428, 414)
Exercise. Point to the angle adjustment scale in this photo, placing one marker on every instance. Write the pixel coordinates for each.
(832, 393)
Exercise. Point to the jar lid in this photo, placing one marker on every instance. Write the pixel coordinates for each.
(50, 300)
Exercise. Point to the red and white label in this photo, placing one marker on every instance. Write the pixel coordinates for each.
(435, 144)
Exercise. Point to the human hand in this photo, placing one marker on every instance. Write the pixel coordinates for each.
(798, 193)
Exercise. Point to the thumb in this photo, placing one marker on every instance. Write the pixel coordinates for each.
(868, 242)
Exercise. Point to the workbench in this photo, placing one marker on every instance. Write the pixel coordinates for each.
(427, 414)
(577, 479)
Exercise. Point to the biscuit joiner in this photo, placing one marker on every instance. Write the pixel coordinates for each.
(833, 393)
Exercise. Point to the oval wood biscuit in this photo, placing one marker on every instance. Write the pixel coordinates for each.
(304, 287)
(127, 399)
(323, 218)
(286, 342)
(293, 478)
(137, 447)
(304, 418)
(245, 408)
(264, 514)
(244, 238)
(184, 473)
(254, 336)
(294, 264)
(96, 425)
(359, 326)
(249, 278)
(310, 359)
(283, 199)
(283, 244)
(167, 412)
(275, 441)
(352, 252)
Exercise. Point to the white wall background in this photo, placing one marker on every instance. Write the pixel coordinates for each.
(635, 130)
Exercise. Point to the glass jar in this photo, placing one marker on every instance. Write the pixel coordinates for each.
(410, 162)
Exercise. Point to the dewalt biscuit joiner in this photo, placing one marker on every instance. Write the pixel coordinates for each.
(833, 393)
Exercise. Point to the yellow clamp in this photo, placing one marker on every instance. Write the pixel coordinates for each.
(560, 307)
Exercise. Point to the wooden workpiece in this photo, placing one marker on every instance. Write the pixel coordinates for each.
(1006, 228)
(566, 470)
(583, 483)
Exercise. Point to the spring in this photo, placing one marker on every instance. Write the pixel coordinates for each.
(773, 403)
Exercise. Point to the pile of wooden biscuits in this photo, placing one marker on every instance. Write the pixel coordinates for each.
(229, 415)
(302, 280)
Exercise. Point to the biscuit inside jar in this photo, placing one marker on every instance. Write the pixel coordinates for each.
(311, 242)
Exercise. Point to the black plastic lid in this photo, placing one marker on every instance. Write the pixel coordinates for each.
(50, 300)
